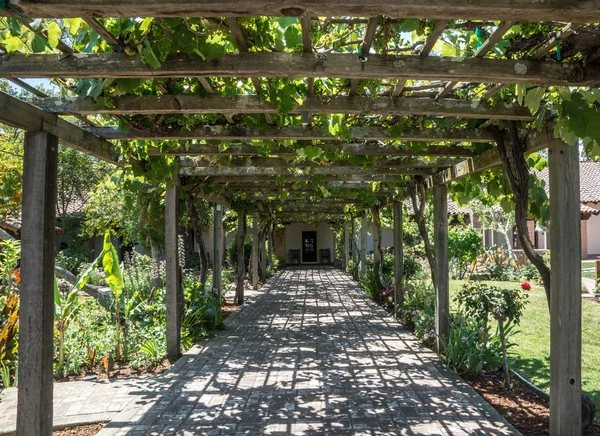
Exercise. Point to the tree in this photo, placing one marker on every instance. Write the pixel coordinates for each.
(492, 217)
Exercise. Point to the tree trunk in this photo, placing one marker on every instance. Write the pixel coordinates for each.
(377, 222)
(516, 172)
(419, 197)
(504, 357)
(241, 267)
(199, 237)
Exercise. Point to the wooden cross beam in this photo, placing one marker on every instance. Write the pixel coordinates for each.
(281, 133)
(22, 115)
(234, 104)
(280, 163)
(277, 64)
(532, 10)
(356, 149)
(536, 140)
(243, 171)
(286, 179)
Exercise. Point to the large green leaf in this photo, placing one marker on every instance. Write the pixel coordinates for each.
(112, 270)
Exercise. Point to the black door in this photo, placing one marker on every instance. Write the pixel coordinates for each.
(309, 246)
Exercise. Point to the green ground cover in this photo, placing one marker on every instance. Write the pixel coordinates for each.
(532, 353)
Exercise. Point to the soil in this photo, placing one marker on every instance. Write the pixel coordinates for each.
(82, 430)
(229, 308)
(527, 412)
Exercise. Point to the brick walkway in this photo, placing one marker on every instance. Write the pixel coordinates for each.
(311, 356)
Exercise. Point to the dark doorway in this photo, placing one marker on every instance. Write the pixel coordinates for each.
(309, 247)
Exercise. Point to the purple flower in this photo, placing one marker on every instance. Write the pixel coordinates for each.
(464, 339)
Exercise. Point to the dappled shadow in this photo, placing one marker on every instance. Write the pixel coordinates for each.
(313, 355)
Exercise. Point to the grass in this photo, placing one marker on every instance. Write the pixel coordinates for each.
(588, 264)
(532, 352)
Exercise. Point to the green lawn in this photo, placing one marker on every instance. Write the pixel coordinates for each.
(533, 342)
(588, 264)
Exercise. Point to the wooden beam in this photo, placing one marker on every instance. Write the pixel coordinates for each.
(233, 104)
(356, 149)
(173, 275)
(22, 115)
(565, 300)
(485, 48)
(280, 133)
(533, 10)
(311, 171)
(209, 89)
(442, 273)
(278, 64)
(355, 177)
(36, 314)
(546, 47)
(258, 163)
(97, 27)
(240, 41)
(438, 28)
(536, 140)
(366, 47)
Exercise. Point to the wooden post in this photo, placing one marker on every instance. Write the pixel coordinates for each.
(255, 251)
(271, 242)
(354, 247)
(218, 254)
(597, 266)
(263, 260)
(346, 245)
(36, 315)
(398, 258)
(241, 258)
(376, 252)
(565, 300)
(173, 277)
(442, 297)
(363, 246)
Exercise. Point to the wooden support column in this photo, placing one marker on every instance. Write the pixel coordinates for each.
(565, 301)
(346, 245)
(271, 242)
(263, 260)
(218, 254)
(442, 297)
(36, 316)
(255, 251)
(398, 258)
(363, 246)
(354, 247)
(173, 276)
(241, 258)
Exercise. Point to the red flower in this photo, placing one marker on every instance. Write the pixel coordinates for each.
(525, 286)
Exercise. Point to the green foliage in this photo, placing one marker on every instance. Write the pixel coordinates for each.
(71, 259)
(232, 251)
(66, 309)
(464, 246)
(468, 351)
(479, 300)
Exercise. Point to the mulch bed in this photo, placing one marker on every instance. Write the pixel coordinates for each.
(527, 412)
(82, 430)
(228, 309)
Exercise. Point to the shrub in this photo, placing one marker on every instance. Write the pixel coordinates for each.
(468, 351)
(232, 251)
(419, 300)
(464, 246)
(71, 259)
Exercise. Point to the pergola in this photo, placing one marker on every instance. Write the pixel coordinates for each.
(241, 168)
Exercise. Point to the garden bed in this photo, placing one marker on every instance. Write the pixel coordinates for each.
(527, 412)
(81, 430)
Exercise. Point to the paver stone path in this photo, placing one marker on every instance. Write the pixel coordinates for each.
(311, 356)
